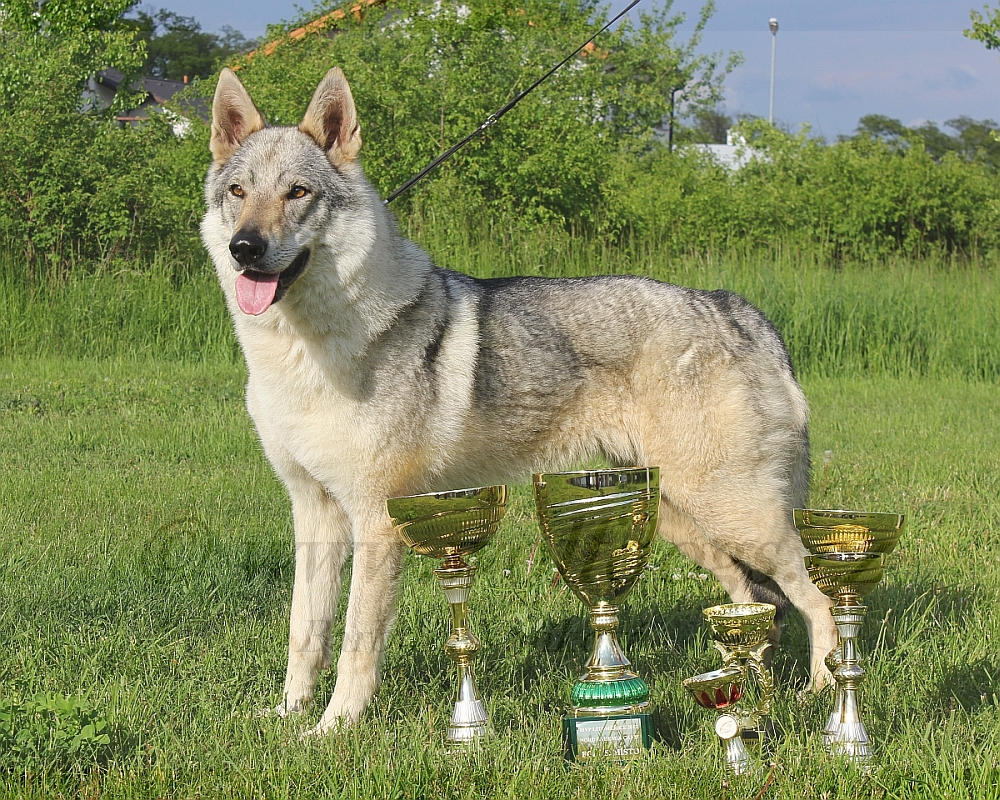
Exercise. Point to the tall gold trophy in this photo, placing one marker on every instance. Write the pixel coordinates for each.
(599, 525)
(451, 526)
(739, 633)
(848, 555)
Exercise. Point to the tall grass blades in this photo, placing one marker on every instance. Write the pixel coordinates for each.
(158, 309)
(903, 318)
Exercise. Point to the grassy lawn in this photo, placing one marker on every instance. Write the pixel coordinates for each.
(146, 569)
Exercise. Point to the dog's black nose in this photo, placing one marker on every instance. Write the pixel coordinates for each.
(247, 247)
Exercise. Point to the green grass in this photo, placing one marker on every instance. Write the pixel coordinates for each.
(146, 559)
(161, 309)
(146, 568)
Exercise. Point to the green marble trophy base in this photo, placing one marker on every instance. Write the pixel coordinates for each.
(610, 719)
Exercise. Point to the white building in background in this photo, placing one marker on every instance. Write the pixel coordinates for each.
(734, 154)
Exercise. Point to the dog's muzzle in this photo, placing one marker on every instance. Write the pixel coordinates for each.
(247, 247)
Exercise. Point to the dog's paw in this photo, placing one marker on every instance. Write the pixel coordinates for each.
(285, 708)
(338, 716)
(324, 727)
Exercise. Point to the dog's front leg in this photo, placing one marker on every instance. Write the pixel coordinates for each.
(322, 541)
(375, 570)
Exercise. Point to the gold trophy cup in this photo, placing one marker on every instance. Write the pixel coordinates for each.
(451, 526)
(599, 525)
(848, 555)
(739, 633)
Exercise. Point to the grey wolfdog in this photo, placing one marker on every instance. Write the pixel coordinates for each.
(373, 374)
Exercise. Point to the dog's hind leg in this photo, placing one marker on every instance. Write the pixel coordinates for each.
(759, 538)
(322, 541)
(375, 571)
(814, 607)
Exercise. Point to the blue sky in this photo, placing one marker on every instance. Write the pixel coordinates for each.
(836, 59)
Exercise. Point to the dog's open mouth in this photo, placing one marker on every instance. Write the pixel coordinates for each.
(257, 291)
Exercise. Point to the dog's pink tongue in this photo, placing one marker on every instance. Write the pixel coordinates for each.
(255, 292)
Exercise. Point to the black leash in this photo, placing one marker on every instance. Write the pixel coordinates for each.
(493, 118)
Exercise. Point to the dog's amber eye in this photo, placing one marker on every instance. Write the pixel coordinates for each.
(297, 192)
(236, 190)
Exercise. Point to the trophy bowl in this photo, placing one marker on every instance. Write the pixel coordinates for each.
(848, 549)
(454, 523)
(845, 576)
(740, 625)
(718, 689)
(827, 531)
(599, 526)
(449, 526)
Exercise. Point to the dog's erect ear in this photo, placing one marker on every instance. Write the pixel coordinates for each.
(234, 116)
(332, 120)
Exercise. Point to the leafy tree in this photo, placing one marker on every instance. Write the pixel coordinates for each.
(885, 129)
(177, 47)
(79, 189)
(424, 75)
(710, 127)
(60, 167)
(974, 140)
(980, 140)
(986, 28)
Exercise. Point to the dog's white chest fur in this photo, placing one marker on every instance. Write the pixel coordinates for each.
(329, 421)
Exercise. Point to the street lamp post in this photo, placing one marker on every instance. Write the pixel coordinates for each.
(773, 25)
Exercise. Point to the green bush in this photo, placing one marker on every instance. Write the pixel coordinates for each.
(425, 75)
(67, 185)
(858, 199)
(576, 156)
(79, 190)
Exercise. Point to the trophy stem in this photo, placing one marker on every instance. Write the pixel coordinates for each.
(850, 738)
(765, 682)
(729, 729)
(607, 660)
(750, 661)
(833, 662)
(608, 686)
(469, 720)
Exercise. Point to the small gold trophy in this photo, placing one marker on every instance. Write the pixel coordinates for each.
(599, 525)
(848, 555)
(739, 633)
(451, 526)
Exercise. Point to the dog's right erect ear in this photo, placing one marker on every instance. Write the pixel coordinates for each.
(234, 116)
(332, 120)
